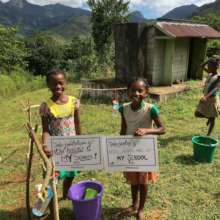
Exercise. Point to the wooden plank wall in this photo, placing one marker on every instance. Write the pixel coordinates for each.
(180, 60)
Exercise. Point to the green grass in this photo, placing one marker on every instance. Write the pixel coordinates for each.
(186, 190)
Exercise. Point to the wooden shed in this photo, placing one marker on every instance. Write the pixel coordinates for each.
(163, 52)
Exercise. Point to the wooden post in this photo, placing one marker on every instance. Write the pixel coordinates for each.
(55, 198)
(49, 169)
(29, 165)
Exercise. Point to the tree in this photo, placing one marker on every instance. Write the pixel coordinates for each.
(79, 58)
(13, 51)
(44, 53)
(211, 19)
(105, 13)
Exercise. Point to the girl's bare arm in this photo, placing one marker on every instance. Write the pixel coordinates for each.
(123, 125)
(217, 87)
(77, 121)
(45, 135)
(204, 66)
(160, 129)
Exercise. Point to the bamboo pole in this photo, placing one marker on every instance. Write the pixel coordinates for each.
(49, 172)
(29, 157)
(44, 157)
(29, 165)
(55, 197)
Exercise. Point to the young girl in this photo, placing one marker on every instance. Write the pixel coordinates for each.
(137, 118)
(60, 117)
(208, 106)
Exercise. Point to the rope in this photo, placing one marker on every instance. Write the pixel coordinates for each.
(113, 89)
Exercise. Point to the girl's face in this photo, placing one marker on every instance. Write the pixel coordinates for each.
(137, 92)
(212, 68)
(57, 84)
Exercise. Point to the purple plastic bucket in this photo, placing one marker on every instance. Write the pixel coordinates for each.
(86, 209)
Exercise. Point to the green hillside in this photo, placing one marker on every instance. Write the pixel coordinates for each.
(77, 25)
(62, 21)
(210, 8)
(30, 18)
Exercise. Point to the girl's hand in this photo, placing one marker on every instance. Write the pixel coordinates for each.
(47, 151)
(204, 99)
(141, 131)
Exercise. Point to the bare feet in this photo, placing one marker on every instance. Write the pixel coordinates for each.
(130, 209)
(140, 215)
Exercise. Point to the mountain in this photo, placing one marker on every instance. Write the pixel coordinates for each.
(57, 19)
(182, 12)
(210, 8)
(136, 16)
(76, 25)
(30, 18)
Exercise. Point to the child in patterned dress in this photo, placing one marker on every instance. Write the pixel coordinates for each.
(137, 118)
(208, 106)
(60, 117)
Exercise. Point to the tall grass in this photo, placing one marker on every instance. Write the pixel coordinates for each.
(19, 82)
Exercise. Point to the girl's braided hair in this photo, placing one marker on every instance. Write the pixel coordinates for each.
(214, 60)
(53, 72)
(146, 84)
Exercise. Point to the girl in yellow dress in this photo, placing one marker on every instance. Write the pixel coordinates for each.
(60, 117)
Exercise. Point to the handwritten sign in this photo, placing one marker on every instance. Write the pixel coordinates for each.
(119, 153)
(77, 152)
(129, 153)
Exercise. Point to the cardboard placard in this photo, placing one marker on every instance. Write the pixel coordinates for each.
(116, 153)
(129, 153)
(77, 152)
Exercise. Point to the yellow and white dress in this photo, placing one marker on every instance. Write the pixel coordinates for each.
(60, 119)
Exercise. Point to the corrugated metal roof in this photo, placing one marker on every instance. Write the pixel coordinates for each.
(174, 29)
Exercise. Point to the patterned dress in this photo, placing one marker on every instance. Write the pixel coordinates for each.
(60, 118)
(210, 108)
(141, 118)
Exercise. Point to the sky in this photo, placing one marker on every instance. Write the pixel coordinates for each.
(149, 8)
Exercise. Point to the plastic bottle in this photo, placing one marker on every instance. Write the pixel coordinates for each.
(115, 106)
(41, 205)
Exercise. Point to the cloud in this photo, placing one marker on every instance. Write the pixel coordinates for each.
(72, 3)
(162, 6)
(156, 7)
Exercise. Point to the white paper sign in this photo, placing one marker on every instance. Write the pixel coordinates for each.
(129, 153)
(77, 152)
(119, 153)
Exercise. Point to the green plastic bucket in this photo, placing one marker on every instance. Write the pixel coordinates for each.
(204, 148)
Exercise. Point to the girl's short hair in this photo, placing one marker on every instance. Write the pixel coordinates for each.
(54, 72)
(146, 84)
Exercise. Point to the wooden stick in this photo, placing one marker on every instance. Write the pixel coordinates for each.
(80, 94)
(55, 197)
(44, 158)
(32, 106)
(30, 157)
(29, 112)
(29, 121)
